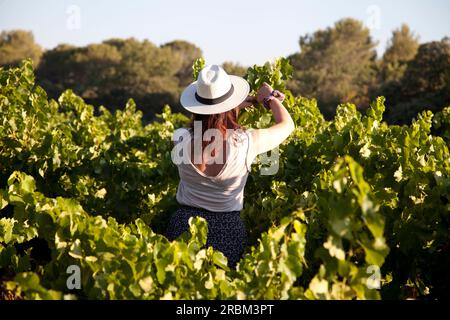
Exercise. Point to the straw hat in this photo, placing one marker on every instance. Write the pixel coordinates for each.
(214, 92)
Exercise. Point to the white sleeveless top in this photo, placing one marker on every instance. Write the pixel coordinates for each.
(225, 191)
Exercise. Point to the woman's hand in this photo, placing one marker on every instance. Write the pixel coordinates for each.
(264, 91)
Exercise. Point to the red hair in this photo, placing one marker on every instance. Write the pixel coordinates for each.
(221, 121)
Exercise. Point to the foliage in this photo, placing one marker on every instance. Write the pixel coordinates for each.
(234, 68)
(402, 49)
(426, 83)
(187, 54)
(335, 65)
(16, 45)
(352, 197)
(112, 71)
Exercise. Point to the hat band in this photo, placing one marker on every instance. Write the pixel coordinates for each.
(215, 100)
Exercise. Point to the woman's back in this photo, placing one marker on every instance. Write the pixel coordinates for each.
(222, 191)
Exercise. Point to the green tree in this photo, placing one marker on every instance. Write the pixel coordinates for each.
(88, 70)
(234, 68)
(335, 65)
(186, 53)
(429, 72)
(425, 84)
(56, 72)
(16, 45)
(401, 49)
(113, 71)
(146, 73)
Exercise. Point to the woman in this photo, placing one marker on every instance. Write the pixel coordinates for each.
(214, 156)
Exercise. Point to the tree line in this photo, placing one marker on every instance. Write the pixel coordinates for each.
(340, 64)
(336, 65)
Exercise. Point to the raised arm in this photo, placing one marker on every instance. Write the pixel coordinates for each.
(267, 139)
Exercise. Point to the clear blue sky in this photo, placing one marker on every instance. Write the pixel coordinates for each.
(231, 30)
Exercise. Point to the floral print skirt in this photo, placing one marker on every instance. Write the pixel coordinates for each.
(226, 230)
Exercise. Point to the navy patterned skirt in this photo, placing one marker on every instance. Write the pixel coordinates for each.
(226, 230)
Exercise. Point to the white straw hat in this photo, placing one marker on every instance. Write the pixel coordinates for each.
(214, 92)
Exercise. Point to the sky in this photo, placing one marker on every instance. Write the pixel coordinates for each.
(248, 32)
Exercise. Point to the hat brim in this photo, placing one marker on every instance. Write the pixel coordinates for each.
(240, 93)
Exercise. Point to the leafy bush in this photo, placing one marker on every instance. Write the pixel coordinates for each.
(355, 205)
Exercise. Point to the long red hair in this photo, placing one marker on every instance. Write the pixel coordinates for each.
(221, 121)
